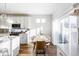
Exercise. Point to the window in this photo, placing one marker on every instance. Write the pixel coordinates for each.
(43, 20)
(38, 20)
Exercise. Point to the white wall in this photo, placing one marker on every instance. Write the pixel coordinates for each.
(47, 26)
(62, 9)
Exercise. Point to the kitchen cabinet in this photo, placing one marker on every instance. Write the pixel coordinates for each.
(4, 45)
(23, 38)
(3, 22)
(68, 41)
(11, 44)
(14, 45)
(23, 20)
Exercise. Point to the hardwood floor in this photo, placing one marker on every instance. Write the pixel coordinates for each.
(51, 51)
(25, 50)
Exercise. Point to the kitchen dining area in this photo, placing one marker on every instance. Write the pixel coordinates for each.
(43, 29)
(26, 36)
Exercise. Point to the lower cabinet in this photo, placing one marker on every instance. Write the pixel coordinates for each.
(14, 45)
(23, 38)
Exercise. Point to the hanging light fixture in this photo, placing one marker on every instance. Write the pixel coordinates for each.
(75, 10)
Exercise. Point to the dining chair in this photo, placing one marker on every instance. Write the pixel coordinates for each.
(40, 47)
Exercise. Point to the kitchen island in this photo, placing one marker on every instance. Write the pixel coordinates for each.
(11, 44)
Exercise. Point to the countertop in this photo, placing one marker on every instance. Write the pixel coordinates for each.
(6, 38)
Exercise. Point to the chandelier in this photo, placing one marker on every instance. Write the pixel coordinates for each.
(75, 10)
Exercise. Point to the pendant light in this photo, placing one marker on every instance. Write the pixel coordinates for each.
(75, 10)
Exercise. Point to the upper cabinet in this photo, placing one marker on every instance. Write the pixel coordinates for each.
(23, 20)
(65, 33)
(9, 20)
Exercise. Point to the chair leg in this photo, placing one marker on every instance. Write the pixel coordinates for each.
(36, 54)
(44, 53)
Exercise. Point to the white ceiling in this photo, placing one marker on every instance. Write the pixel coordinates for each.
(34, 8)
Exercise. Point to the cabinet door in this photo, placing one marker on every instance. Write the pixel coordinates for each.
(6, 45)
(73, 30)
(56, 32)
(22, 20)
(74, 35)
(23, 38)
(26, 22)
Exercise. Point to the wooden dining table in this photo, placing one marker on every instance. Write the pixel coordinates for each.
(40, 38)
